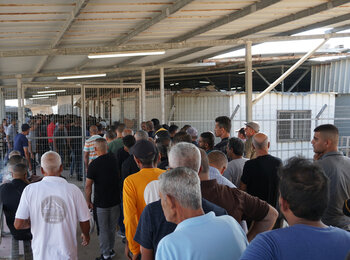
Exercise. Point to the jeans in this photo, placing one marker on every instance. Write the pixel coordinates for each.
(107, 219)
(27, 248)
(76, 163)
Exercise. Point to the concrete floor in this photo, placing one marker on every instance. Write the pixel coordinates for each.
(89, 252)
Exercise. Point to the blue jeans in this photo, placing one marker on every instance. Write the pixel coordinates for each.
(107, 219)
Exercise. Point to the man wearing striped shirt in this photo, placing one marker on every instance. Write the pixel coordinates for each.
(89, 147)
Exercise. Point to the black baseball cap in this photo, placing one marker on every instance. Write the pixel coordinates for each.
(143, 149)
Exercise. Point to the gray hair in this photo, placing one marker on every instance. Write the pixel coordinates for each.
(101, 144)
(185, 155)
(141, 135)
(261, 145)
(127, 131)
(184, 185)
(51, 162)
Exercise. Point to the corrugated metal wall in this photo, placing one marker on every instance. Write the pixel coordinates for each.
(333, 77)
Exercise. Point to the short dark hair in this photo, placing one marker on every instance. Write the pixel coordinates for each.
(155, 122)
(329, 131)
(242, 132)
(121, 127)
(110, 134)
(224, 122)
(173, 128)
(182, 137)
(208, 138)
(236, 145)
(129, 141)
(304, 186)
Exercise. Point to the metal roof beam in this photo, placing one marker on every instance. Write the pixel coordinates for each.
(143, 26)
(80, 5)
(215, 24)
(286, 19)
(165, 46)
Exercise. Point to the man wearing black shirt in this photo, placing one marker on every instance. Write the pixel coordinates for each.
(104, 174)
(222, 130)
(76, 149)
(10, 195)
(259, 176)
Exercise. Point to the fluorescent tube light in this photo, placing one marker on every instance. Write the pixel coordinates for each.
(51, 91)
(204, 82)
(243, 72)
(125, 54)
(82, 76)
(38, 98)
(44, 95)
(201, 64)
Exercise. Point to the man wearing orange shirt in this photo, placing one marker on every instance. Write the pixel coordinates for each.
(144, 153)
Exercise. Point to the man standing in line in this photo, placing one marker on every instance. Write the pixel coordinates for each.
(144, 153)
(206, 141)
(89, 147)
(260, 176)
(222, 130)
(10, 195)
(103, 173)
(235, 150)
(21, 143)
(336, 167)
(303, 200)
(250, 130)
(52, 208)
(197, 235)
(11, 132)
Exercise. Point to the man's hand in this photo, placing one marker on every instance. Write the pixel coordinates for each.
(90, 205)
(127, 252)
(85, 238)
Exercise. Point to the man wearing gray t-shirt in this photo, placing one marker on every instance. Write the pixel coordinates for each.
(235, 150)
(336, 167)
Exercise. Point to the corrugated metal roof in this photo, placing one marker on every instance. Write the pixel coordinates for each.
(28, 24)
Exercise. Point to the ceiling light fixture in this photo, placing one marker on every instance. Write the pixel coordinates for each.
(204, 82)
(82, 76)
(38, 98)
(243, 72)
(44, 95)
(51, 91)
(125, 54)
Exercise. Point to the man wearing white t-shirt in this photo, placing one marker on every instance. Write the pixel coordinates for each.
(52, 208)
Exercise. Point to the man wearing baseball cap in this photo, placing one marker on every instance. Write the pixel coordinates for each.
(21, 143)
(145, 154)
(250, 130)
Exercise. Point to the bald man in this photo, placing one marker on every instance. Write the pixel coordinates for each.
(259, 176)
(52, 208)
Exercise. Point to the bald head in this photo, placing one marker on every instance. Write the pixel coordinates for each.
(261, 141)
(127, 131)
(141, 135)
(185, 155)
(93, 130)
(51, 164)
(218, 160)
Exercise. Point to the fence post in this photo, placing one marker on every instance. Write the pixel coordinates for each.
(2, 104)
(162, 98)
(143, 93)
(19, 100)
(248, 81)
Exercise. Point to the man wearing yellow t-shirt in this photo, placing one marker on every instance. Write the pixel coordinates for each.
(145, 154)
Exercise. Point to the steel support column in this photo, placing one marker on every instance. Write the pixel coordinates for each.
(248, 81)
(19, 101)
(143, 93)
(2, 104)
(162, 97)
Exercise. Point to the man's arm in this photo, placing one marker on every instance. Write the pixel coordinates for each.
(243, 186)
(147, 254)
(85, 228)
(21, 223)
(26, 155)
(86, 160)
(88, 192)
(263, 225)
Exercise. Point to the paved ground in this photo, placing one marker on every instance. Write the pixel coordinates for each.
(89, 252)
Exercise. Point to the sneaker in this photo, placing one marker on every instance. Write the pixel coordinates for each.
(121, 234)
(112, 253)
(103, 258)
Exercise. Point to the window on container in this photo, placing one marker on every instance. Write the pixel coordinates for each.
(293, 125)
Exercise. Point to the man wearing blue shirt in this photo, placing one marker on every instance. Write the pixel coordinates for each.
(197, 235)
(303, 201)
(21, 143)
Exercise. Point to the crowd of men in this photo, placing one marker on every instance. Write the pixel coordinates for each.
(174, 194)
